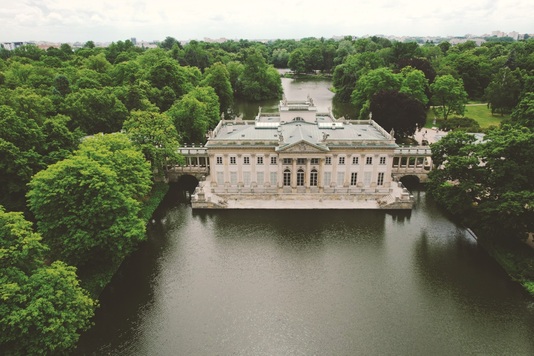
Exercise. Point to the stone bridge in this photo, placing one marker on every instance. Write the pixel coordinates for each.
(412, 161)
(196, 164)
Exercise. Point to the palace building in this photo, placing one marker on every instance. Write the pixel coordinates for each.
(300, 158)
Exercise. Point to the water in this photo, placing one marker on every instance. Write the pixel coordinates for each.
(310, 282)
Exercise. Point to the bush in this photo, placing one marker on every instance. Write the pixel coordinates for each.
(464, 123)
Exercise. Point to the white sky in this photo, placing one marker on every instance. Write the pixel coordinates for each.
(113, 20)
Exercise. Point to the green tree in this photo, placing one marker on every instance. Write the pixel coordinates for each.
(191, 118)
(83, 212)
(503, 91)
(371, 83)
(398, 111)
(347, 74)
(448, 96)
(523, 114)
(43, 307)
(218, 77)
(156, 136)
(259, 81)
(415, 84)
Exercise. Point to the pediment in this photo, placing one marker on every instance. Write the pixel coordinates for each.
(302, 146)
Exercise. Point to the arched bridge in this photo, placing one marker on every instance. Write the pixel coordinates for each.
(412, 161)
(196, 163)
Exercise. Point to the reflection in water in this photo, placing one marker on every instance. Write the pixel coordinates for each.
(310, 282)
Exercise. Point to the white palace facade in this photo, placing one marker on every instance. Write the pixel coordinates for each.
(300, 158)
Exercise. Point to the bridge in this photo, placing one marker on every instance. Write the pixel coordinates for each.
(412, 161)
(407, 161)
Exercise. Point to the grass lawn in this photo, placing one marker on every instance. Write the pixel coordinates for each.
(480, 113)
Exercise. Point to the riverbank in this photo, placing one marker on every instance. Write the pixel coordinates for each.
(95, 280)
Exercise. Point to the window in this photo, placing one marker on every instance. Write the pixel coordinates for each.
(287, 161)
(369, 160)
(287, 177)
(355, 160)
(220, 178)
(382, 160)
(259, 160)
(327, 178)
(353, 178)
(233, 178)
(274, 178)
(273, 160)
(246, 160)
(300, 177)
(380, 179)
(301, 160)
(232, 160)
(315, 161)
(246, 179)
(328, 160)
(313, 178)
(219, 159)
(260, 178)
(341, 160)
(367, 179)
(340, 178)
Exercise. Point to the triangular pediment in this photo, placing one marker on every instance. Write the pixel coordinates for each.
(302, 146)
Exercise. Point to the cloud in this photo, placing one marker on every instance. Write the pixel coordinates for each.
(71, 20)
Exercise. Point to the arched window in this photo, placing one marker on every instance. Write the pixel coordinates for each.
(287, 177)
(300, 177)
(313, 178)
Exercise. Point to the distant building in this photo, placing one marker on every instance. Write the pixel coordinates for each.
(301, 155)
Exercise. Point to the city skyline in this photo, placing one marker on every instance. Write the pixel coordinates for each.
(101, 21)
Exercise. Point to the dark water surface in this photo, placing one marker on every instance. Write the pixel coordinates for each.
(312, 282)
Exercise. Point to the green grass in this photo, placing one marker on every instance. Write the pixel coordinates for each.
(481, 113)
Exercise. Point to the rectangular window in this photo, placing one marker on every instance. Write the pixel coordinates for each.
(273, 160)
(232, 160)
(273, 178)
(259, 160)
(233, 178)
(315, 161)
(369, 160)
(220, 178)
(246, 160)
(380, 180)
(340, 178)
(328, 160)
(382, 160)
(287, 161)
(260, 178)
(219, 159)
(341, 160)
(353, 178)
(327, 178)
(355, 160)
(301, 160)
(246, 179)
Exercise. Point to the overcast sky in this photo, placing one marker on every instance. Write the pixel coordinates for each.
(113, 20)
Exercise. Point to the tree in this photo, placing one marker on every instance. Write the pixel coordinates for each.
(448, 95)
(190, 116)
(503, 91)
(259, 81)
(43, 307)
(156, 136)
(371, 83)
(523, 114)
(414, 84)
(489, 182)
(95, 110)
(347, 74)
(218, 77)
(397, 111)
(86, 213)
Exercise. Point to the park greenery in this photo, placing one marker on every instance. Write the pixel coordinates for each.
(86, 134)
